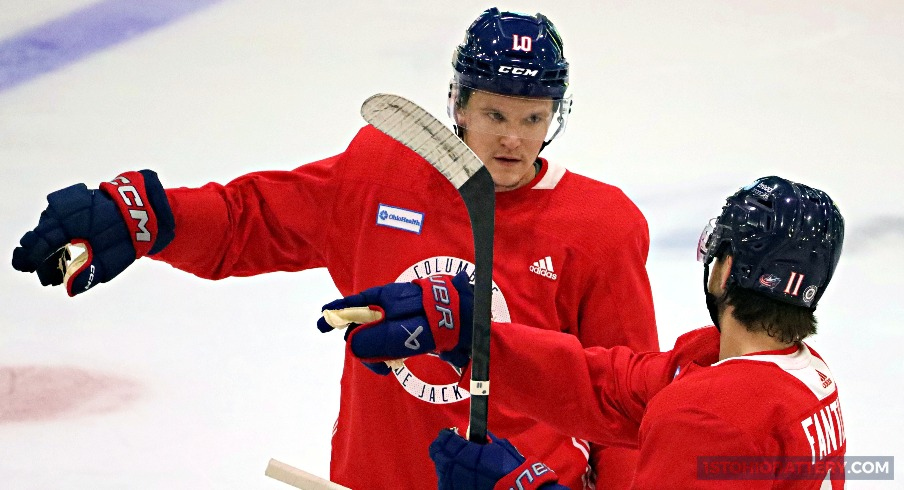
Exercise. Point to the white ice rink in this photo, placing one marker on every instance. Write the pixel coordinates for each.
(161, 380)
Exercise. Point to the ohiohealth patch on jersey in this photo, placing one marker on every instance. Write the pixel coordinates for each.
(402, 219)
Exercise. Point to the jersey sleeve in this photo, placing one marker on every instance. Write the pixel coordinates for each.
(596, 394)
(260, 222)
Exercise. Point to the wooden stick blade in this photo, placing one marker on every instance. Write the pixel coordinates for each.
(297, 478)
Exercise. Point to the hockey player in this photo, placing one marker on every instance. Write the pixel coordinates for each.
(378, 213)
(743, 404)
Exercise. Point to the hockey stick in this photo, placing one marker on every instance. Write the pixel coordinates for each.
(415, 128)
(299, 478)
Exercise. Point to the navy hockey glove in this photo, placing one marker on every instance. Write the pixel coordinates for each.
(462, 464)
(401, 320)
(126, 219)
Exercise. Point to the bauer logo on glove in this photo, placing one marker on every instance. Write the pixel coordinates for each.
(399, 320)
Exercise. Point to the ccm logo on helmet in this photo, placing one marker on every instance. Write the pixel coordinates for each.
(514, 70)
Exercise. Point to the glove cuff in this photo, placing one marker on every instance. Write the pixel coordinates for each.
(441, 305)
(166, 222)
(531, 475)
(141, 200)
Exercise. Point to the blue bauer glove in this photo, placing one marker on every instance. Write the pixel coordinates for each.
(126, 219)
(400, 320)
(465, 465)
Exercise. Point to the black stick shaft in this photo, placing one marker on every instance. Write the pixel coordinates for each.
(478, 194)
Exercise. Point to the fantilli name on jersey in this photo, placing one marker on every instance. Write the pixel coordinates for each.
(825, 431)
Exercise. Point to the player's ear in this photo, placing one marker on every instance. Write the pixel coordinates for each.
(725, 271)
(719, 274)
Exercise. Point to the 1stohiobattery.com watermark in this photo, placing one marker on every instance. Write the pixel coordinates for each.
(794, 468)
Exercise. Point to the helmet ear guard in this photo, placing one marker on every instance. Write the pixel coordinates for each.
(785, 240)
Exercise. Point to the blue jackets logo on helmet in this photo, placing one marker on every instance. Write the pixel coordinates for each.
(769, 281)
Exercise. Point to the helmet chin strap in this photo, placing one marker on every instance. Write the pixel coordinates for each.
(558, 130)
(545, 144)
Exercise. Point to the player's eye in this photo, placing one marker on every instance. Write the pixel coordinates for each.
(535, 119)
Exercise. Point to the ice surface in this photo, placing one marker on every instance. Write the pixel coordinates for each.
(161, 380)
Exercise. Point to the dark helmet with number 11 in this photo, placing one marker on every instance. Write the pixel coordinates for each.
(785, 240)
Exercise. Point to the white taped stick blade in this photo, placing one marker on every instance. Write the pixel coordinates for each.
(411, 125)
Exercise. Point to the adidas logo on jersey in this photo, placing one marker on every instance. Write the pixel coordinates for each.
(826, 381)
(543, 267)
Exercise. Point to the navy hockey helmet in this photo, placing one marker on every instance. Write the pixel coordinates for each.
(512, 54)
(785, 240)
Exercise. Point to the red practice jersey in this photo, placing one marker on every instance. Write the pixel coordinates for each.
(569, 252)
(764, 420)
